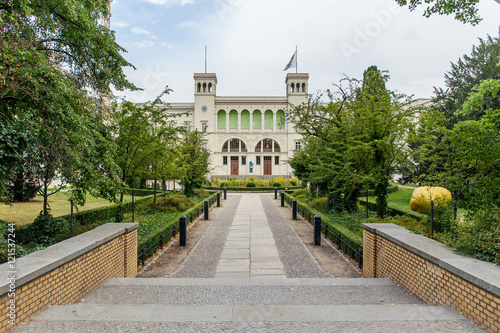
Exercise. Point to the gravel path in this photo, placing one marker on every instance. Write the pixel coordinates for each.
(202, 261)
(298, 261)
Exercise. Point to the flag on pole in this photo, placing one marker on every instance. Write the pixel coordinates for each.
(293, 62)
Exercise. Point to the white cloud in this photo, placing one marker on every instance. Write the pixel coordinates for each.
(249, 43)
(167, 2)
(119, 24)
(140, 31)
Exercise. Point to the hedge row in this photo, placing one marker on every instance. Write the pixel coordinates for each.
(245, 189)
(146, 192)
(153, 237)
(393, 211)
(347, 236)
(103, 213)
(371, 192)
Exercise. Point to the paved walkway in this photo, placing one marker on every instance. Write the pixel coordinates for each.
(250, 238)
(249, 272)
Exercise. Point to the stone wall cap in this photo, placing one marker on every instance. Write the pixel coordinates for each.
(38, 263)
(480, 273)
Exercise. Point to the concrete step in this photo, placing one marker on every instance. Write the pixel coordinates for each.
(270, 318)
(266, 291)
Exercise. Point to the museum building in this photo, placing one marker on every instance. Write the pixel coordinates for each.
(247, 136)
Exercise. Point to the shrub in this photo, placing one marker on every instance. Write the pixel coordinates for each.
(319, 203)
(250, 185)
(224, 184)
(302, 193)
(178, 203)
(276, 184)
(335, 203)
(201, 193)
(44, 229)
(293, 183)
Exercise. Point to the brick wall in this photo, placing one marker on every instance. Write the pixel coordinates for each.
(433, 272)
(82, 264)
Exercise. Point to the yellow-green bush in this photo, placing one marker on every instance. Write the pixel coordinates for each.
(201, 193)
(319, 203)
(173, 203)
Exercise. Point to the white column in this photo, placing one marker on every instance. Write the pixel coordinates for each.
(239, 122)
(286, 123)
(263, 121)
(251, 121)
(274, 121)
(227, 122)
(215, 122)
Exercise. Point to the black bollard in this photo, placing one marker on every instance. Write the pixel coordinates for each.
(294, 209)
(275, 193)
(317, 230)
(182, 230)
(71, 229)
(218, 199)
(205, 210)
(432, 217)
(282, 199)
(225, 193)
(133, 215)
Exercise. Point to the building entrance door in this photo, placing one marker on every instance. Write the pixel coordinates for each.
(234, 166)
(268, 167)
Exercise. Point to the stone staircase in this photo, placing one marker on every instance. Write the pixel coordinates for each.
(249, 305)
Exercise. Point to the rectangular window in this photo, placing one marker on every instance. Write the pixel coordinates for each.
(297, 145)
(276, 160)
(204, 127)
(188, 126)
(257, 160)
(224, 160)
(243, 160)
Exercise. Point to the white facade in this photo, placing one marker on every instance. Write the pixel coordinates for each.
(245, 131)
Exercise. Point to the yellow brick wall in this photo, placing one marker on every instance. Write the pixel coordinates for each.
(73, 280)
(429, 282)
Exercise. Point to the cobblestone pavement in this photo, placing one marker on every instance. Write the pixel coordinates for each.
(297, 260)
(250, 295)
(202, 261)
(255, 327)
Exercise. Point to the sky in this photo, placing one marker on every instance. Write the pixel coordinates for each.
(249, 42)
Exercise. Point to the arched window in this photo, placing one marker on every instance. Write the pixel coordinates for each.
(303, 87)
(233, 119)
(280, 120)
(268, 119)
(209, 87)
(204, 87)
(267, 146)
(221, 120)
(234, 146)
(245, 119)
(293, 87)
(199, 87)
(257, 120)
(298, 87)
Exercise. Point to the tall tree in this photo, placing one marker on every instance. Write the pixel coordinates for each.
(194, 160)
(355, 140)
(465, 11)
(57, 65)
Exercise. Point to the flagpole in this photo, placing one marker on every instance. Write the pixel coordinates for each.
(205, 59)
(296, 59)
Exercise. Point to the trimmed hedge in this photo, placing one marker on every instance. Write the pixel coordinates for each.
(145, 192)
(394, 211)
(244, 189)
(348, 236)
(154, 236)
(103, 213)
(371, 192)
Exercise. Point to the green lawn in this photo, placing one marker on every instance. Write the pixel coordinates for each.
(26, 212)
(401, 200)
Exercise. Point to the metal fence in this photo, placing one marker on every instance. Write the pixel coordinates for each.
(165, 237)
(341, 244)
